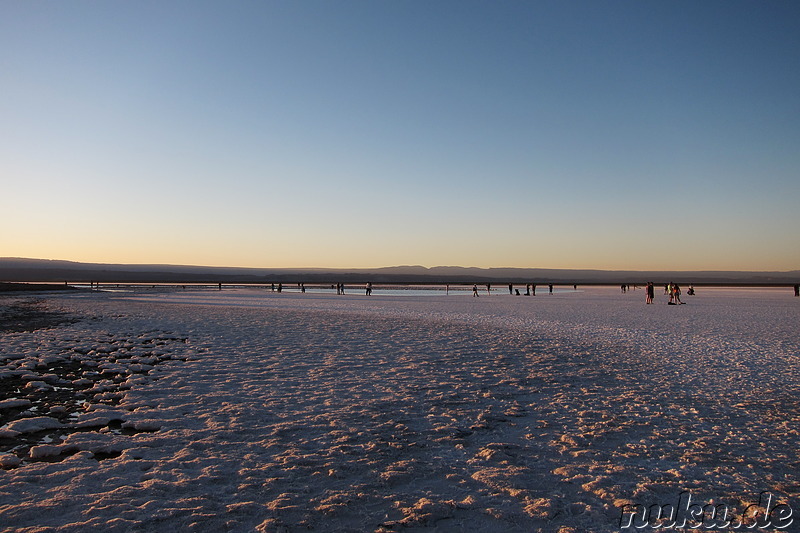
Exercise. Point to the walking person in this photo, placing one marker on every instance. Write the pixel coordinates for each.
(369, 289)
(475, 291)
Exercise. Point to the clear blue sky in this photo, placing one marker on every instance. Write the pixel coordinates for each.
(614, 135)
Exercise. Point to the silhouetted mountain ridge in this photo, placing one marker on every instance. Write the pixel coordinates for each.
(47, 270)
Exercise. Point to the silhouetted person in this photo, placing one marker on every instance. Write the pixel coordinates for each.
(369, 289)
(797, 290)
(510, 289)
(551, 288)
(475, 291)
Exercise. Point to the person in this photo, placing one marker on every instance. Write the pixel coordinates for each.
(489, 288)
(516, 291)
(475, 291)
(677, 292)
(650, 290)
(510, 289)
(528, 289)
(622, 288)
(369, 289)
(533, 289)
(797, 290)
(551, 288)
(280, 287)
(690, 292)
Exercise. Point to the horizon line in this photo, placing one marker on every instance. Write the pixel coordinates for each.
(414, 266)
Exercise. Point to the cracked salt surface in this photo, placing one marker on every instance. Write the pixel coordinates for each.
(245, 410)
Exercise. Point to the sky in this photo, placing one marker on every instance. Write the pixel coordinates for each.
(621, 135)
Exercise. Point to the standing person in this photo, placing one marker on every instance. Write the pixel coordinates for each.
(533, 289)
(369, 289)
(649, 289)
(475, 291)
(528, 289)
(489, 289)
(280, 287)
(510, 289)
(677, 291)
(551, 288)
(797, 290)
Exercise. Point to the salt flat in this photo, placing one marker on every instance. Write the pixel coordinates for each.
(243, 410)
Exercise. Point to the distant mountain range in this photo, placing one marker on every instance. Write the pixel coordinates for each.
(44, 270)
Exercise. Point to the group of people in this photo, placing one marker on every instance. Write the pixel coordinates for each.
(530, 289)
(672, 289)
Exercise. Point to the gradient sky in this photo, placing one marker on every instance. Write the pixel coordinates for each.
(584, 134)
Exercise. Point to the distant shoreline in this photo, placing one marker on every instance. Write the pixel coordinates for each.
(355, 286)
(34, 287)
